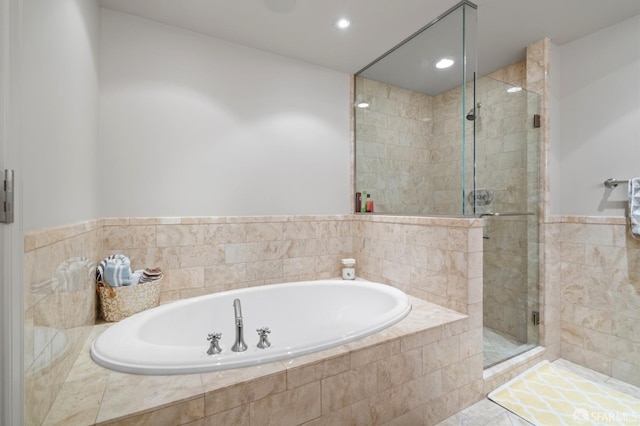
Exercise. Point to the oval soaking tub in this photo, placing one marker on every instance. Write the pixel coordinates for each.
(303, 317)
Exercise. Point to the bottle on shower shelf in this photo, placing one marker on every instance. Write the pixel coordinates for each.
(369, 204)
(363, 203)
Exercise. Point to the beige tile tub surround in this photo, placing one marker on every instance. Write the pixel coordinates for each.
(206, 255)
(436, 259)
(59, 308)
(419, 371)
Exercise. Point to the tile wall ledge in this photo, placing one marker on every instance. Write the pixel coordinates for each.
(37, 238)
(594, 220)
(198, 220)
(449, 221)
(46, 236)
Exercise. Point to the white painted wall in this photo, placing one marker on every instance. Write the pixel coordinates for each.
(59, 107)
(192, 125)
(596, 106)
(11, 236)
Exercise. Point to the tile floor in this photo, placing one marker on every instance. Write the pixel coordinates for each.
(489, 413)
(499, 347)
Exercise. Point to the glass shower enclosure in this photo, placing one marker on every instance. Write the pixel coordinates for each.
(434, 138)
(410, 127)
(506, 195)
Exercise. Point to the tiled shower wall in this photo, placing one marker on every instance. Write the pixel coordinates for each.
(427, 177)
(393, 147)
(409, 149)
(446, 170)
(598, 271)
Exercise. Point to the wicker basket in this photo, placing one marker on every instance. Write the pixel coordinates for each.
(118, 303)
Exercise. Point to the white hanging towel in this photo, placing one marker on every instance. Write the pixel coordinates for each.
(634, 207)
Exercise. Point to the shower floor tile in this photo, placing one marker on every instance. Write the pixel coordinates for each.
(498, 347)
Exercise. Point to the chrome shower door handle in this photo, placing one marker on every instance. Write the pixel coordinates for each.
(507, 214)
(613, 183)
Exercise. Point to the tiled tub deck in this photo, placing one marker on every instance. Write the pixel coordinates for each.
(419, 371)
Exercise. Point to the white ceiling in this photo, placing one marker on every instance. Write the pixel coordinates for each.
(302, 29)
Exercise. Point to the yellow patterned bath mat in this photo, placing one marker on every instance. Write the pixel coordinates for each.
(546, 395)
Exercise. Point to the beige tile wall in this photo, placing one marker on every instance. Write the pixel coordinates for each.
(59, 308)
(445, 172)
(206, 255)
(393, 147)
(436, 259)
(599, 274)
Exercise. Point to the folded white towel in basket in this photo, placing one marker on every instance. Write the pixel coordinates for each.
(634, 207)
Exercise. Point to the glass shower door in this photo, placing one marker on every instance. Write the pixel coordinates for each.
(506, 195)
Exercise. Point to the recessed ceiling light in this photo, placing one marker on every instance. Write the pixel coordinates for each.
(362, 101)
(342, 23)
(444, 63)
(514, 89)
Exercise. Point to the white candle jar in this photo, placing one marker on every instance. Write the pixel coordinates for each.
(348, 269)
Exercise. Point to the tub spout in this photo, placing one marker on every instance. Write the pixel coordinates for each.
(239, 345)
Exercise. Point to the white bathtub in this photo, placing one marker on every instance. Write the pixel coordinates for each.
(303, 317)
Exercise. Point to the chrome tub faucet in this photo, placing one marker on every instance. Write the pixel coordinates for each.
(239, 345)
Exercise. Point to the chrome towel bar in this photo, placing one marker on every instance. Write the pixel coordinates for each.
(612, 183)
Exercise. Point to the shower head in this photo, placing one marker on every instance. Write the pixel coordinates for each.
(472, 114)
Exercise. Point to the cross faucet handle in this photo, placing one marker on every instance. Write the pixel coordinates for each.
(214, 337)
(264, 342)
(214, 348)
